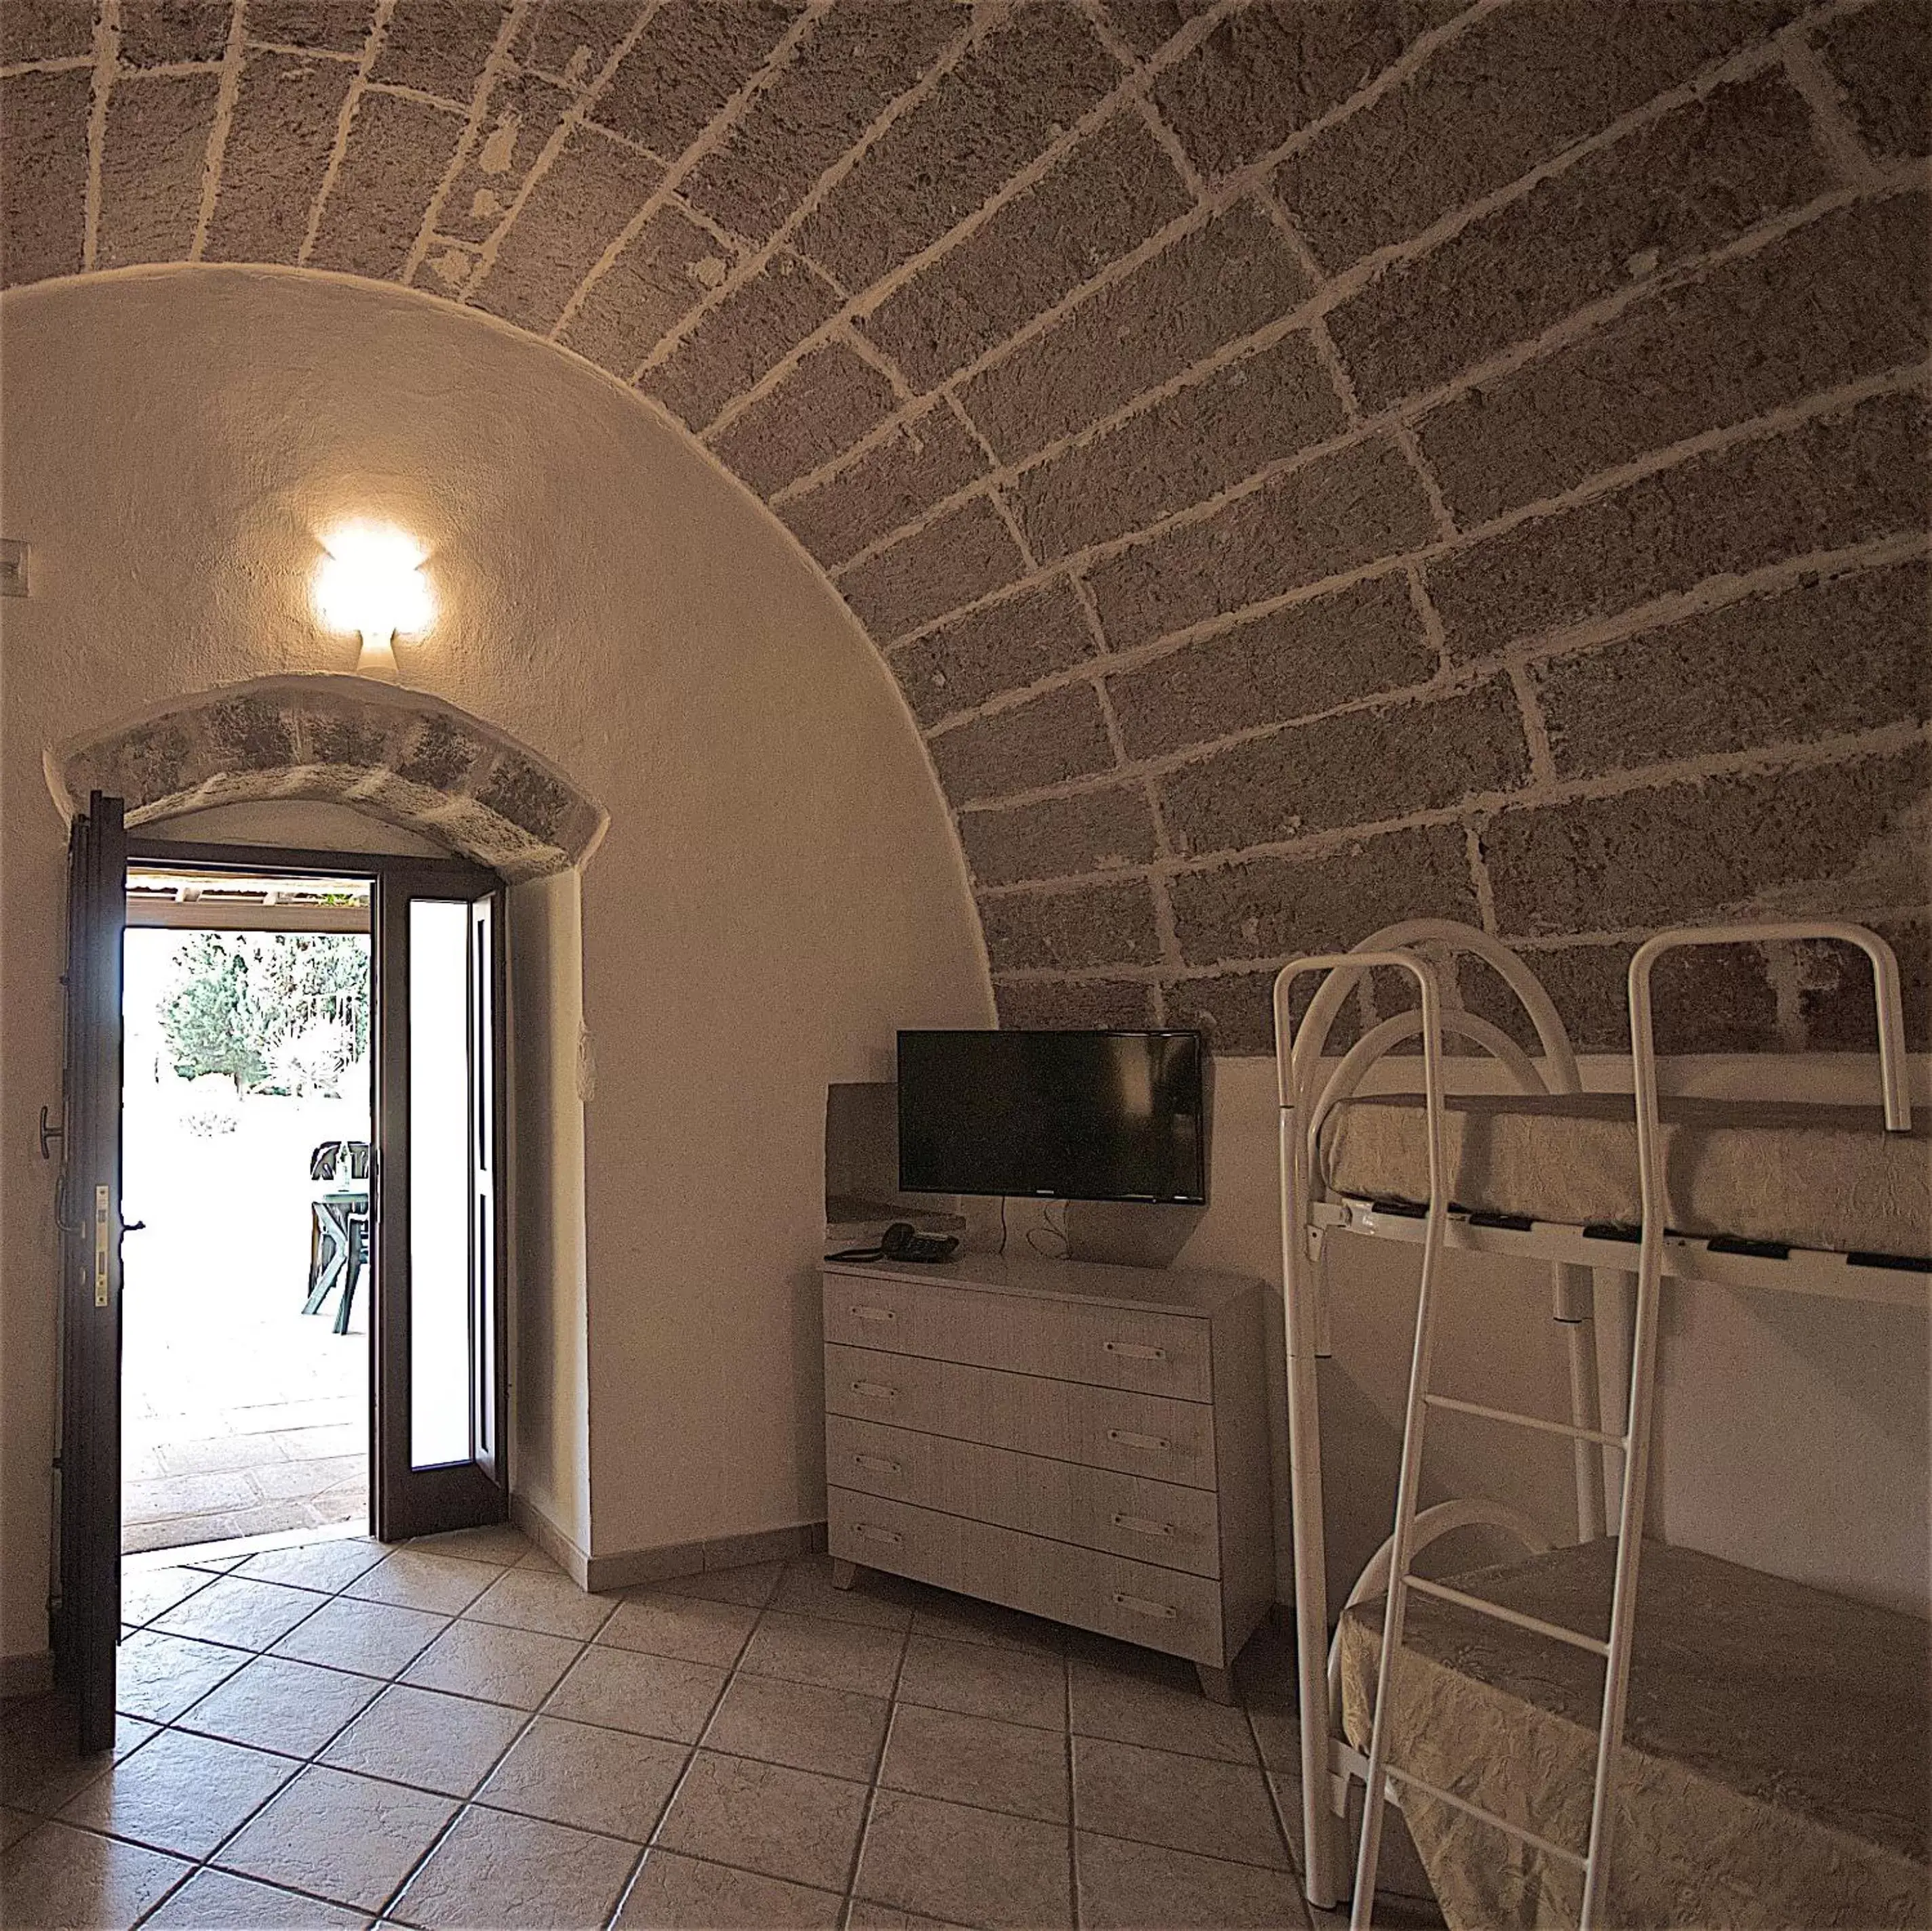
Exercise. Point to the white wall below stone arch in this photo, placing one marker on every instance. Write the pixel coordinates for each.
(779, 891)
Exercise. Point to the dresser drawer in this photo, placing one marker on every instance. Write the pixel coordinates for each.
(1159, 1608)
(1159, 1522)
(874, 1387)
(1108, 1347)
(890, 1536)
(1098, 1428)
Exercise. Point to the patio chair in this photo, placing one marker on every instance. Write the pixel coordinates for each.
(339, 1226)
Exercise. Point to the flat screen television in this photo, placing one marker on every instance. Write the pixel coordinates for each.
(1063, 1116)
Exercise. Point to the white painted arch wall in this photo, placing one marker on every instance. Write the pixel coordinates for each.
(780, 889)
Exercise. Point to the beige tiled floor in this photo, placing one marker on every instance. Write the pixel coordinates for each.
(452, 1734)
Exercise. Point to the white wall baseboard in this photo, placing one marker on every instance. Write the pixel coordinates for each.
(625, 1568)
(534, 1524)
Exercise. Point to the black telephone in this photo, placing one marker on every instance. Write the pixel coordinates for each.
(903, 1242)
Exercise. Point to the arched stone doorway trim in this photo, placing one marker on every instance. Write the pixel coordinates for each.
(400, 756)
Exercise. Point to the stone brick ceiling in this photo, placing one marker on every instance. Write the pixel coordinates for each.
(1306, 464)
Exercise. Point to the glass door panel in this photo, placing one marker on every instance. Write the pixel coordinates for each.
(487, 1318)
(440, 1317)
(441, 1401)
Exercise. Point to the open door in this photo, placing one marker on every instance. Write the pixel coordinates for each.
(87, 1610)
(440, 1407)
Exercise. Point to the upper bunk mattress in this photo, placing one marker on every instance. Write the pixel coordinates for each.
(1814, 1176)
(1776, 1770)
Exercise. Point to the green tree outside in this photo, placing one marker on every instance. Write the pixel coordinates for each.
(276, 1012)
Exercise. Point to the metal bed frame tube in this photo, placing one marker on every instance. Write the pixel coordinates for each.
(1408, 1482)
(1298, 1068)
(1321, 1838)
(1311, 1582)
(1643, 1353)
(1432, 1525)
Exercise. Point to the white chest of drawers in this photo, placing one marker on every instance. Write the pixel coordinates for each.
(1084, 1442)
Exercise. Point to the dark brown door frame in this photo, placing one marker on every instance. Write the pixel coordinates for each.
(403, 1500)
(86, 1610)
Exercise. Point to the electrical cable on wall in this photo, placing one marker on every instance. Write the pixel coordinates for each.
(1058, 1232)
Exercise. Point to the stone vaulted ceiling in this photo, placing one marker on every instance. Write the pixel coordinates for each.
(1306, 465)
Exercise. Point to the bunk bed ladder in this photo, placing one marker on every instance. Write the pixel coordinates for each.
(1634, 1442)
(1308, 1089)
(1402, 1581)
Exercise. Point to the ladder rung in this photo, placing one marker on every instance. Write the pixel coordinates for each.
(1535, 1624)
(1476, 1810)
(1526, 1421)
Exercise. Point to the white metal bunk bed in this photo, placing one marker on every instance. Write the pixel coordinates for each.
(1315, 1096)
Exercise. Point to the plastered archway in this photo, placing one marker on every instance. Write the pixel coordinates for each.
(778, 890)
(403, 757)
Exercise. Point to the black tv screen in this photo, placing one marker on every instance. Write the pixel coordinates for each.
(1070, 1115)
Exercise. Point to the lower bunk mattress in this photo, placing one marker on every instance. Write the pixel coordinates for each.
(1825, 1177)
(1776, 1771)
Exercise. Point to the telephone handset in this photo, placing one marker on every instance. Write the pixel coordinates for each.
(902, 1240)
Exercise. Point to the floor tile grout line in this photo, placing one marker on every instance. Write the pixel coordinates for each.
(873, 1786)
(1267, 1783)
(732, 1671)
(1073, 1911)
(464, 1801)
(653, 1838)
(894, 1700)
(303, 1765)
(464, 1805)
(273, 1654)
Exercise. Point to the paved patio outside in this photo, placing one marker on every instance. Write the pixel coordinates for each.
(241, 1414)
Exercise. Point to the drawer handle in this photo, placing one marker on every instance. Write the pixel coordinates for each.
(1134, 1350)
(873, 1314)
(1128, 1439)
(882, 1390)
(893, 1536)
(1162, 1612)
(881, 1463)
(1143, 1525)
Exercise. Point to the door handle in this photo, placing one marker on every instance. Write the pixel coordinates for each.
(48, 1132)
(134, 1226)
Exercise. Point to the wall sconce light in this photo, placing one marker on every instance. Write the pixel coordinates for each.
(371, 581)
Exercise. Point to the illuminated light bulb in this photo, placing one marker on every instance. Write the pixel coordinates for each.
(371, 581)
